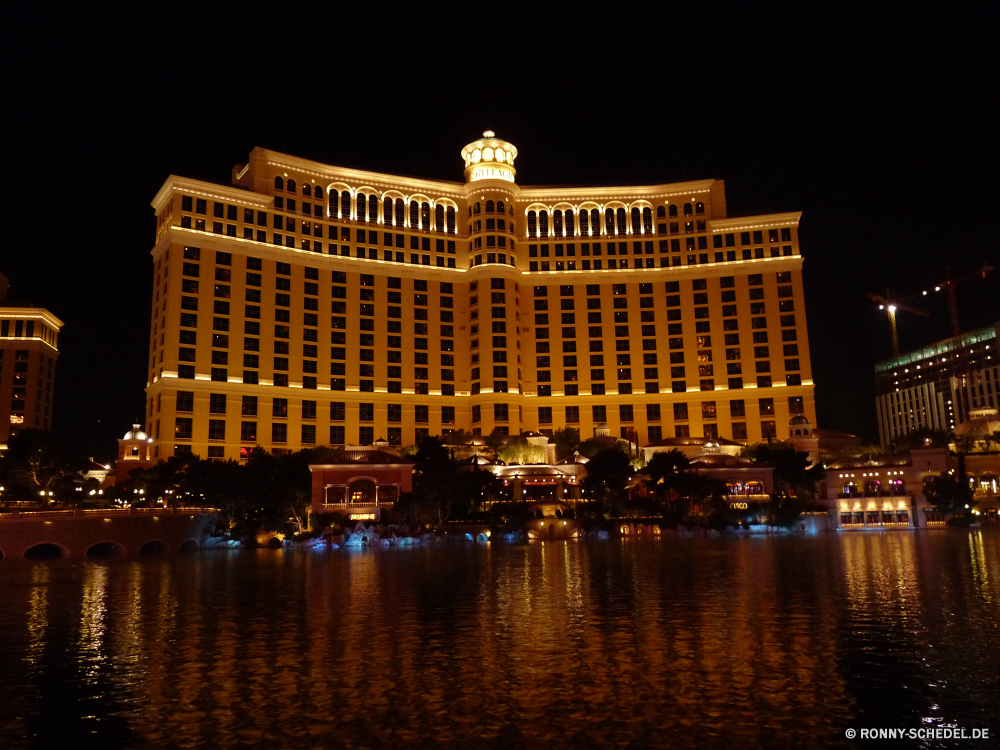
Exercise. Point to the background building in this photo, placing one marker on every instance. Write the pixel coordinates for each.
(29, 339)
(307, 304)
(938, 386)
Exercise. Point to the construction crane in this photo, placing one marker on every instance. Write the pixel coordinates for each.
(950, 286)
(892, 304)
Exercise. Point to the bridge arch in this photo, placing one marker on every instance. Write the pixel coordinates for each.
(105, 549)
(46, 551)
(189, 545)
(154, 547)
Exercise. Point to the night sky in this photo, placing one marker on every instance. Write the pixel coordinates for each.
(879, 126)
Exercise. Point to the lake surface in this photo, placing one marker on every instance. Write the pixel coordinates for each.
(770, 642)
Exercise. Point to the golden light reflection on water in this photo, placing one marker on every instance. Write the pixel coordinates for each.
(37, 615)
(682, 643)
(93, 620)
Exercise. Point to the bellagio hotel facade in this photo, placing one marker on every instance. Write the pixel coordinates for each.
(307, 305)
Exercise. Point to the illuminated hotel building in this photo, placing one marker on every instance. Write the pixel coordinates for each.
(29, 340)
(937, 387)
(308, 304)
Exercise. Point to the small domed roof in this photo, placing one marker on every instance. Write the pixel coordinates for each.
(797, 420)
(136, 433)
(980, 425)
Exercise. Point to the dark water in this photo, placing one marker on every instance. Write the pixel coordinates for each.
(675, 643)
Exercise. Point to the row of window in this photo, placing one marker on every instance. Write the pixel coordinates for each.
(394, 435)
(249, 407)
(392, 213)
(28, 329)
(616, 221)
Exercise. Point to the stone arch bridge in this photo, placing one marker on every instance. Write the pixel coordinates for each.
(80, 533)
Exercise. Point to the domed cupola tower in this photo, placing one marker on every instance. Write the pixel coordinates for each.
(495, 378)
(490, 189)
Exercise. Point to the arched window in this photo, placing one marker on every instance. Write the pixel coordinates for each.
(489, 207)
(595, 222)
(647, 220)
(500, 208)
(585, 223)
(425, 215)
(439, 218)
(362, 202)
(291, 186)
(333, 200)
(279, 184)
(532, 224)
(543, 223)
(373, 208)
(414, 214)
(687, 209)
(400, 212)
(699, 208)
(307, 190)
(451, 221)
(318, 193)
(345, 205)
(636, 226)
(661, 212)
(570, 224)
(477, 209)
(622, 221)
(673, 210)
(557, 223)
(609, 221)
(387, 212)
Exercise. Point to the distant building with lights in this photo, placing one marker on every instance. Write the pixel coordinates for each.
(134, 452)
(29, 346)
(307, 304)
(937, 387)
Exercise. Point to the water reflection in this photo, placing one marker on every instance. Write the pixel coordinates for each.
(683, 643)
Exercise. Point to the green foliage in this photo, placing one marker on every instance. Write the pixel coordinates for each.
(608, 473)
(662, 468)
(518, 450)
(592, 446)
(922, 438)
(792, 473)
(38, 461)
(494, 443)
(566, 441)
(443, 492)
(268, 492)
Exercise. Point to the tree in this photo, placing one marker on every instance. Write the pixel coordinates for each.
(663, 466)
(566, 440)
(792, 473)
(495, 442)
(608, 472)
(920, 438)
(518, 450)
(663, 476)
(947, 494)
(37, 461)
(434, 499)
(592, 446)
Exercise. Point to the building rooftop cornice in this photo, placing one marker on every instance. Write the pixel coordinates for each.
(37, 313)
(531, 193)
(755, 222)
(209, 190)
